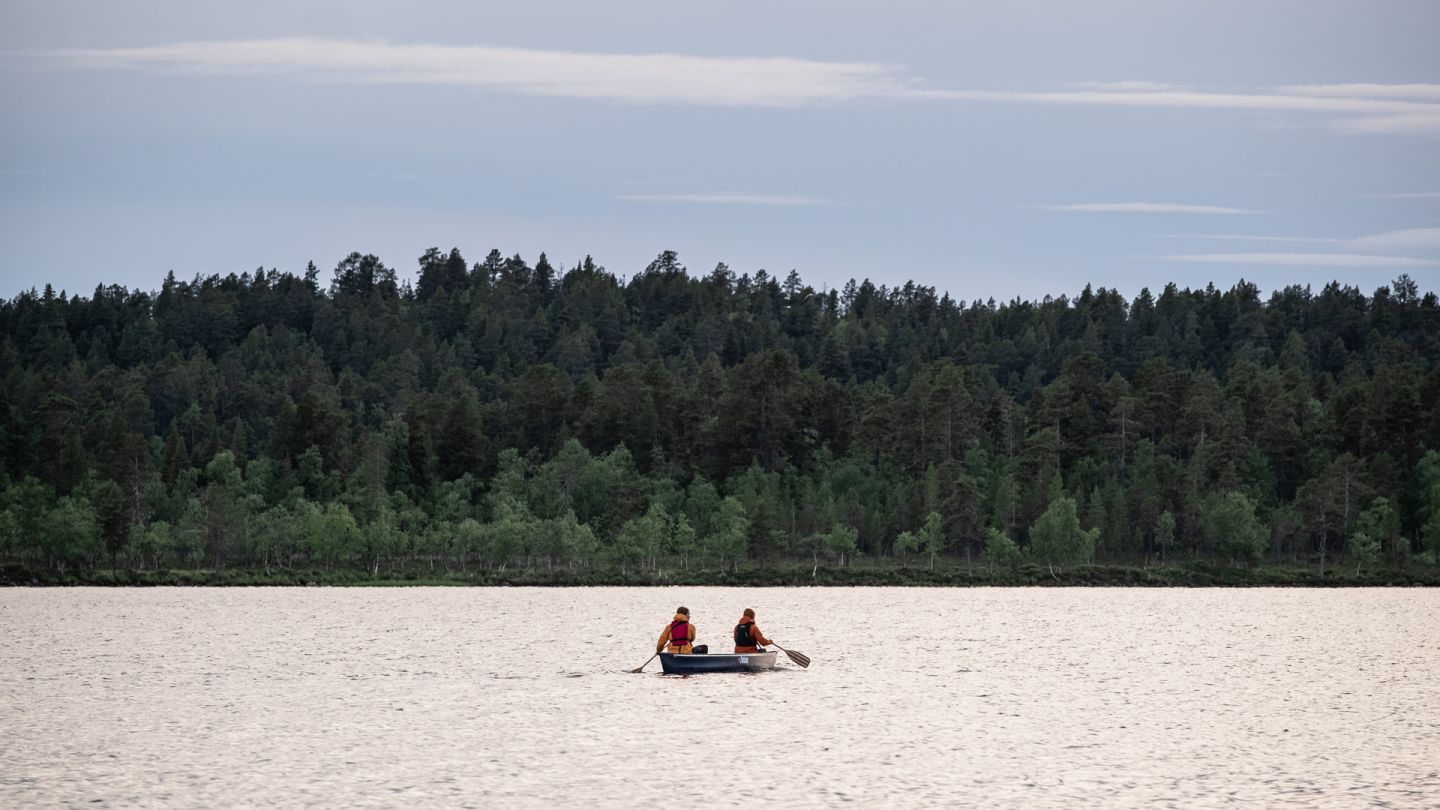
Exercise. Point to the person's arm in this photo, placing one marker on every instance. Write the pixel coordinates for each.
(759, 636)
(664, 637)
(692, 632)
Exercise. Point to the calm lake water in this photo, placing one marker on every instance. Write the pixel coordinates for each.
(522, 697)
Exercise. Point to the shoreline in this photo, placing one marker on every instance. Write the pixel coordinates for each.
(1183, 575)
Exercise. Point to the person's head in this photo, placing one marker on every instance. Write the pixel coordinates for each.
(749, 613)
(683, 611)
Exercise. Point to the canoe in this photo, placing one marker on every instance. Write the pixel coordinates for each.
(674, 664)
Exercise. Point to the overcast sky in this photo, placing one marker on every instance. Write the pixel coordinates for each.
(988, 149)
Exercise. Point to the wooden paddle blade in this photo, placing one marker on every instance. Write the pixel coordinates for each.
(799, 658)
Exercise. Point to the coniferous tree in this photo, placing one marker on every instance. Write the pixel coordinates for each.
(508, 416)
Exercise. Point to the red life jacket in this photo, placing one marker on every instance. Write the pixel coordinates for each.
(679, 633)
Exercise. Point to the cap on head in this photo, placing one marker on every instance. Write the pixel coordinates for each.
(683, 610)
(750, 612)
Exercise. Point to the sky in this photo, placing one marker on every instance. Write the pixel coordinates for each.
(1004, 150)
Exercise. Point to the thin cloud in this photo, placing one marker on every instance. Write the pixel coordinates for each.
(1272, 102)
(1249, 238)
(1149, 208)
(725, 198)
(1408, 124)
(654, 78)
(1414, 195)
(1299, 175)
(1138, 86)
(1380, 113)
(1302, 259)
(1430, 92)
(669, 78)
(1408, 239)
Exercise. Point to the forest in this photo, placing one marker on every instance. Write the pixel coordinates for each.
(507, 419)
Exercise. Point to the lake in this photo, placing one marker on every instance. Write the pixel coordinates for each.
(916, 697)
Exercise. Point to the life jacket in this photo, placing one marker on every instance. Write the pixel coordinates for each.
(679, 633)
(742, 635)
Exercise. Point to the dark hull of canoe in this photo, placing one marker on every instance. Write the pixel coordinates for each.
(728, 662)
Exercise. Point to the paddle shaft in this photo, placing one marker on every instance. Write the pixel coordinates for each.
(647, 662)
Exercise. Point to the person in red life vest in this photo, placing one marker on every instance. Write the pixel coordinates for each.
(679, 634)
(748, 637)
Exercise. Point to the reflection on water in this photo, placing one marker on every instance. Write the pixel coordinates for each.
(522, 697)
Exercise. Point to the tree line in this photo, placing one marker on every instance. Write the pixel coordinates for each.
(502, 415)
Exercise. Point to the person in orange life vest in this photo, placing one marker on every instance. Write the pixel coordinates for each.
(679, 634)
(748, 637)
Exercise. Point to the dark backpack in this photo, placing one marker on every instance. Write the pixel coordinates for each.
(743, 637)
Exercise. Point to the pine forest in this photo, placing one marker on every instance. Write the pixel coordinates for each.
(513, 422)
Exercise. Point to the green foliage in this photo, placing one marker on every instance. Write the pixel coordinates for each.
(1001, 553)
(576, 540)
(1365, 550)
(1232, 527)
(728, 532)
(931, 537)
(1377, 531)
(928, 540)
(1165, 532)
(10, 543)
(907, 543)
(328, 533)
(155, 544)
(840, 541)
(683, 540)
(114, 516)
(642, 538)
(1056, 538)
(272, 535)
(1429, 475)
(71, 533)
(508, 420)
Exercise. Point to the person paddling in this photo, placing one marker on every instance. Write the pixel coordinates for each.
(748, 637)
(679, 635)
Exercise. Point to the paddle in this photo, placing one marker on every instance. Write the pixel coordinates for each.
(798, 657)
(647, 663)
